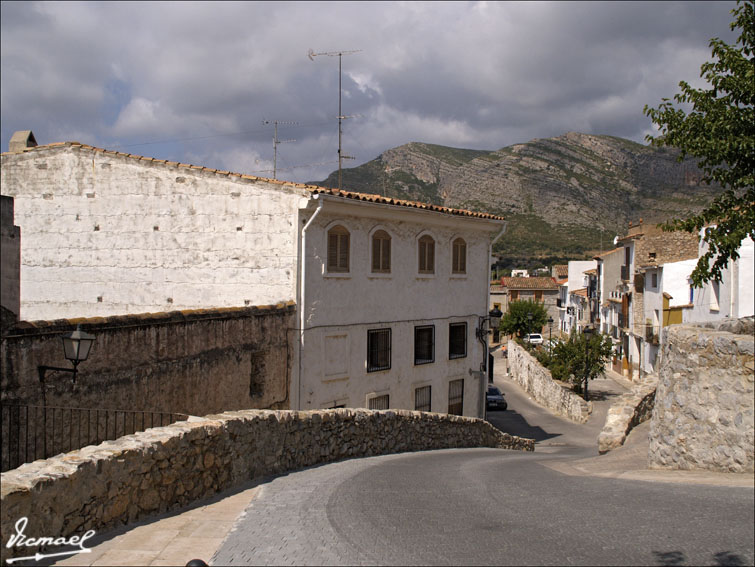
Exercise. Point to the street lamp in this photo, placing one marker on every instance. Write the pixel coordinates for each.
(495, 315)
(529, 323)
(76, 347)
(550, 329)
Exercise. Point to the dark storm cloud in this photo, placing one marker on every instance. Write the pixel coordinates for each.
(202, 77)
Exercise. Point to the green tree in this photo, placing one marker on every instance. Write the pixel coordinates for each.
(720, 130)
(580, 358)
(516, 320)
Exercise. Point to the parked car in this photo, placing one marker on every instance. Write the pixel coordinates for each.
(534, 339)
(495, 399)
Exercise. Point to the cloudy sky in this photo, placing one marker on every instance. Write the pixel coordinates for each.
(202, 83)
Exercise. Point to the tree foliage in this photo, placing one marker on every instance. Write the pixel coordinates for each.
(720, 131)
(516, 322)
(582, 356)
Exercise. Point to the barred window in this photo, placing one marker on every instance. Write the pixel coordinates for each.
(456, 397)
(381, 252)
(378, 402)
(424, 344)
(422, 398)
(459, 256)
(426, 255)
(378, 349)
(457, 340)
(338, 249)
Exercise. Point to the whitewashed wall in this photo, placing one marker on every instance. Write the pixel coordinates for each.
(348, 305)
(107, 234)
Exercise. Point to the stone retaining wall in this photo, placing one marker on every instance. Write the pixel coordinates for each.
(703, 417)
(628, 412)
(116, 482)
(537, 381)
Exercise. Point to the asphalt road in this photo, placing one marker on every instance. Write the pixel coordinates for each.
(492, 507)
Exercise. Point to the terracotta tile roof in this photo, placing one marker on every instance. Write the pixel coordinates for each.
(314, 189)
(591, 272)
(543, 283)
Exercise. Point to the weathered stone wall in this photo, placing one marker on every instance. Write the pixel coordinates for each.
(703, 417)
(100, 487)
(108, 233)
(192, 362)
(10, 260)
(628, 412)
(538, 382)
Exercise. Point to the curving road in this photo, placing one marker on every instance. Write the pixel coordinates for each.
(487, 506)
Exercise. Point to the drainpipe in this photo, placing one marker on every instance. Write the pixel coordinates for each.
(302, 288)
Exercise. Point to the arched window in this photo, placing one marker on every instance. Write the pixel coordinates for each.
(459, 256)
(381, 252)
(426, 255)
(338, 249)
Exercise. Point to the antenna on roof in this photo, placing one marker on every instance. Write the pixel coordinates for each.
(311, 54)
(276, 141)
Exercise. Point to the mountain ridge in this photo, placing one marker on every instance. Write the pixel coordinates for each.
(562, 195)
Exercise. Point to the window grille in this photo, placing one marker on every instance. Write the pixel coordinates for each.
(379, 402)
(422, 397)
(457, 340)
(338, 249)
(381, 252)
(459, 256)
(424, 344)
(456, 397)
(378, 349)
(426, 255)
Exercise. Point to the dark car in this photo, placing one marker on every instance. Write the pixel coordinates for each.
(495, 399)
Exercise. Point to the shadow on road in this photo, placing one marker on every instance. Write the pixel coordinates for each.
(513, 423)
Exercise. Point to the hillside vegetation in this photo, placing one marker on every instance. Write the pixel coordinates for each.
(565, 197)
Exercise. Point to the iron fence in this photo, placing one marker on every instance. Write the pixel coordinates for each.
(39, 432)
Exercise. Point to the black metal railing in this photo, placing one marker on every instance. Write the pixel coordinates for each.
(40, 432)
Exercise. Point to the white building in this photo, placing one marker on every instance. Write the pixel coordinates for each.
(574, 296)
(732, 297)
(390, 294)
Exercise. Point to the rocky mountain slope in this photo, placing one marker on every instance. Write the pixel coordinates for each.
(564, 197)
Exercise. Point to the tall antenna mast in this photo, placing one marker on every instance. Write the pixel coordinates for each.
(340, 55)
(276, 141)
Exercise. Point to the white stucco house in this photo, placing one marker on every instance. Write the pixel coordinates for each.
(390, 294)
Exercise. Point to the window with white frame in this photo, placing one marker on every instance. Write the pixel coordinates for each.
(426, 246)
(424, 344)
(459, 264)
(338, 249)
(381, 252)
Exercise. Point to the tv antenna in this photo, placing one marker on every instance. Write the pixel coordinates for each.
(276, 141)
(311, 54)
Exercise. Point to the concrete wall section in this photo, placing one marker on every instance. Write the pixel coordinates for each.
(108, 234)
(703, 416)
(101, 487)
(10, 256)
(192, 362)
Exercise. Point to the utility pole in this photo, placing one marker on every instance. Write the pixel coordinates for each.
(276, 141)
(341, 117)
